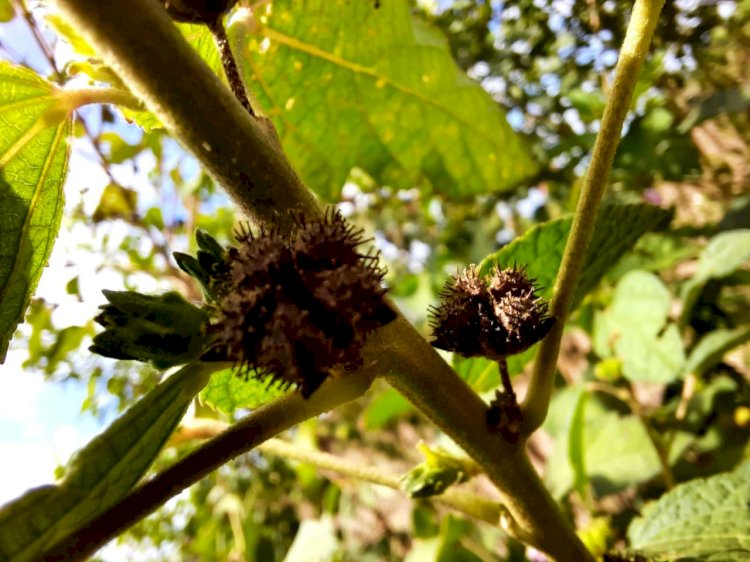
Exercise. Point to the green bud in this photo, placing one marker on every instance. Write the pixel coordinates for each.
(165, 330)
(424, 481)
(439, 471)
(210, 266)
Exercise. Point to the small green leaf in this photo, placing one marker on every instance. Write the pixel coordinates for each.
(706, 519)
(712, 347)
(724, 254)
(479, 373)
(633, 328)
(33, 162)
(100, 474)
(116, 202)
(227, 391)
(71, 35)
(384, 408)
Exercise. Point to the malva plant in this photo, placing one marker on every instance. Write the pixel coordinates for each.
(297, 301)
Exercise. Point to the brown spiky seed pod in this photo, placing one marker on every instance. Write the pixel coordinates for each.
(301, 307)
(494, 319)
(457, 321)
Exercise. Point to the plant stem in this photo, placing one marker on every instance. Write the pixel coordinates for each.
(230, 65)
(71, 100)
(469, 504)
(634, 49)
(259, 426)
(244, 154)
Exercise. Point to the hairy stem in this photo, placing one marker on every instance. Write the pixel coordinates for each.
(634, 49)
(244, 155)
(73, 99)
(259, 426)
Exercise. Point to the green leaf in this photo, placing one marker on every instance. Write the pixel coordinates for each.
(566, 466)
(633, 329)
(349, 85)
(540, 251)
(100, 474)
(616, 451)
(705, 519)
(712, 347)
(724, 254)
(315, 540)
(479, 373)
(384, 408)
(116, 202)
(228, 391)
(33, 161)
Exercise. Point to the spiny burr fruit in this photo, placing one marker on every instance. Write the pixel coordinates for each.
(300, 307)
(494, 317)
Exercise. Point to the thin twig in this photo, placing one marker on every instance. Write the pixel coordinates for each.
(39, 39)
(470, 504)
(634, 49)
(230, 64)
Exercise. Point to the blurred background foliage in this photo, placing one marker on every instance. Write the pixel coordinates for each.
(655, 366)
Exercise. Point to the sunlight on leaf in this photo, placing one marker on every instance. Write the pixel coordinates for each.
(227, 391)
(33, 164)
(700, 519)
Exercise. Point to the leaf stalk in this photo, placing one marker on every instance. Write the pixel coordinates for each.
(634, 50)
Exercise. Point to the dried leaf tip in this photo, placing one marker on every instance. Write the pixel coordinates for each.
(301, 306)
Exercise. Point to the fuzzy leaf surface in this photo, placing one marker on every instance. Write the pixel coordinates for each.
(33, 162)
(227, 391)
(635, 329)
(705, 519)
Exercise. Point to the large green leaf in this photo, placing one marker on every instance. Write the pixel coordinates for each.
(100, 474)
(706, 519)
(349, 84)
(540, 251)
(33, 161)
(636, 330)
(228, 391)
